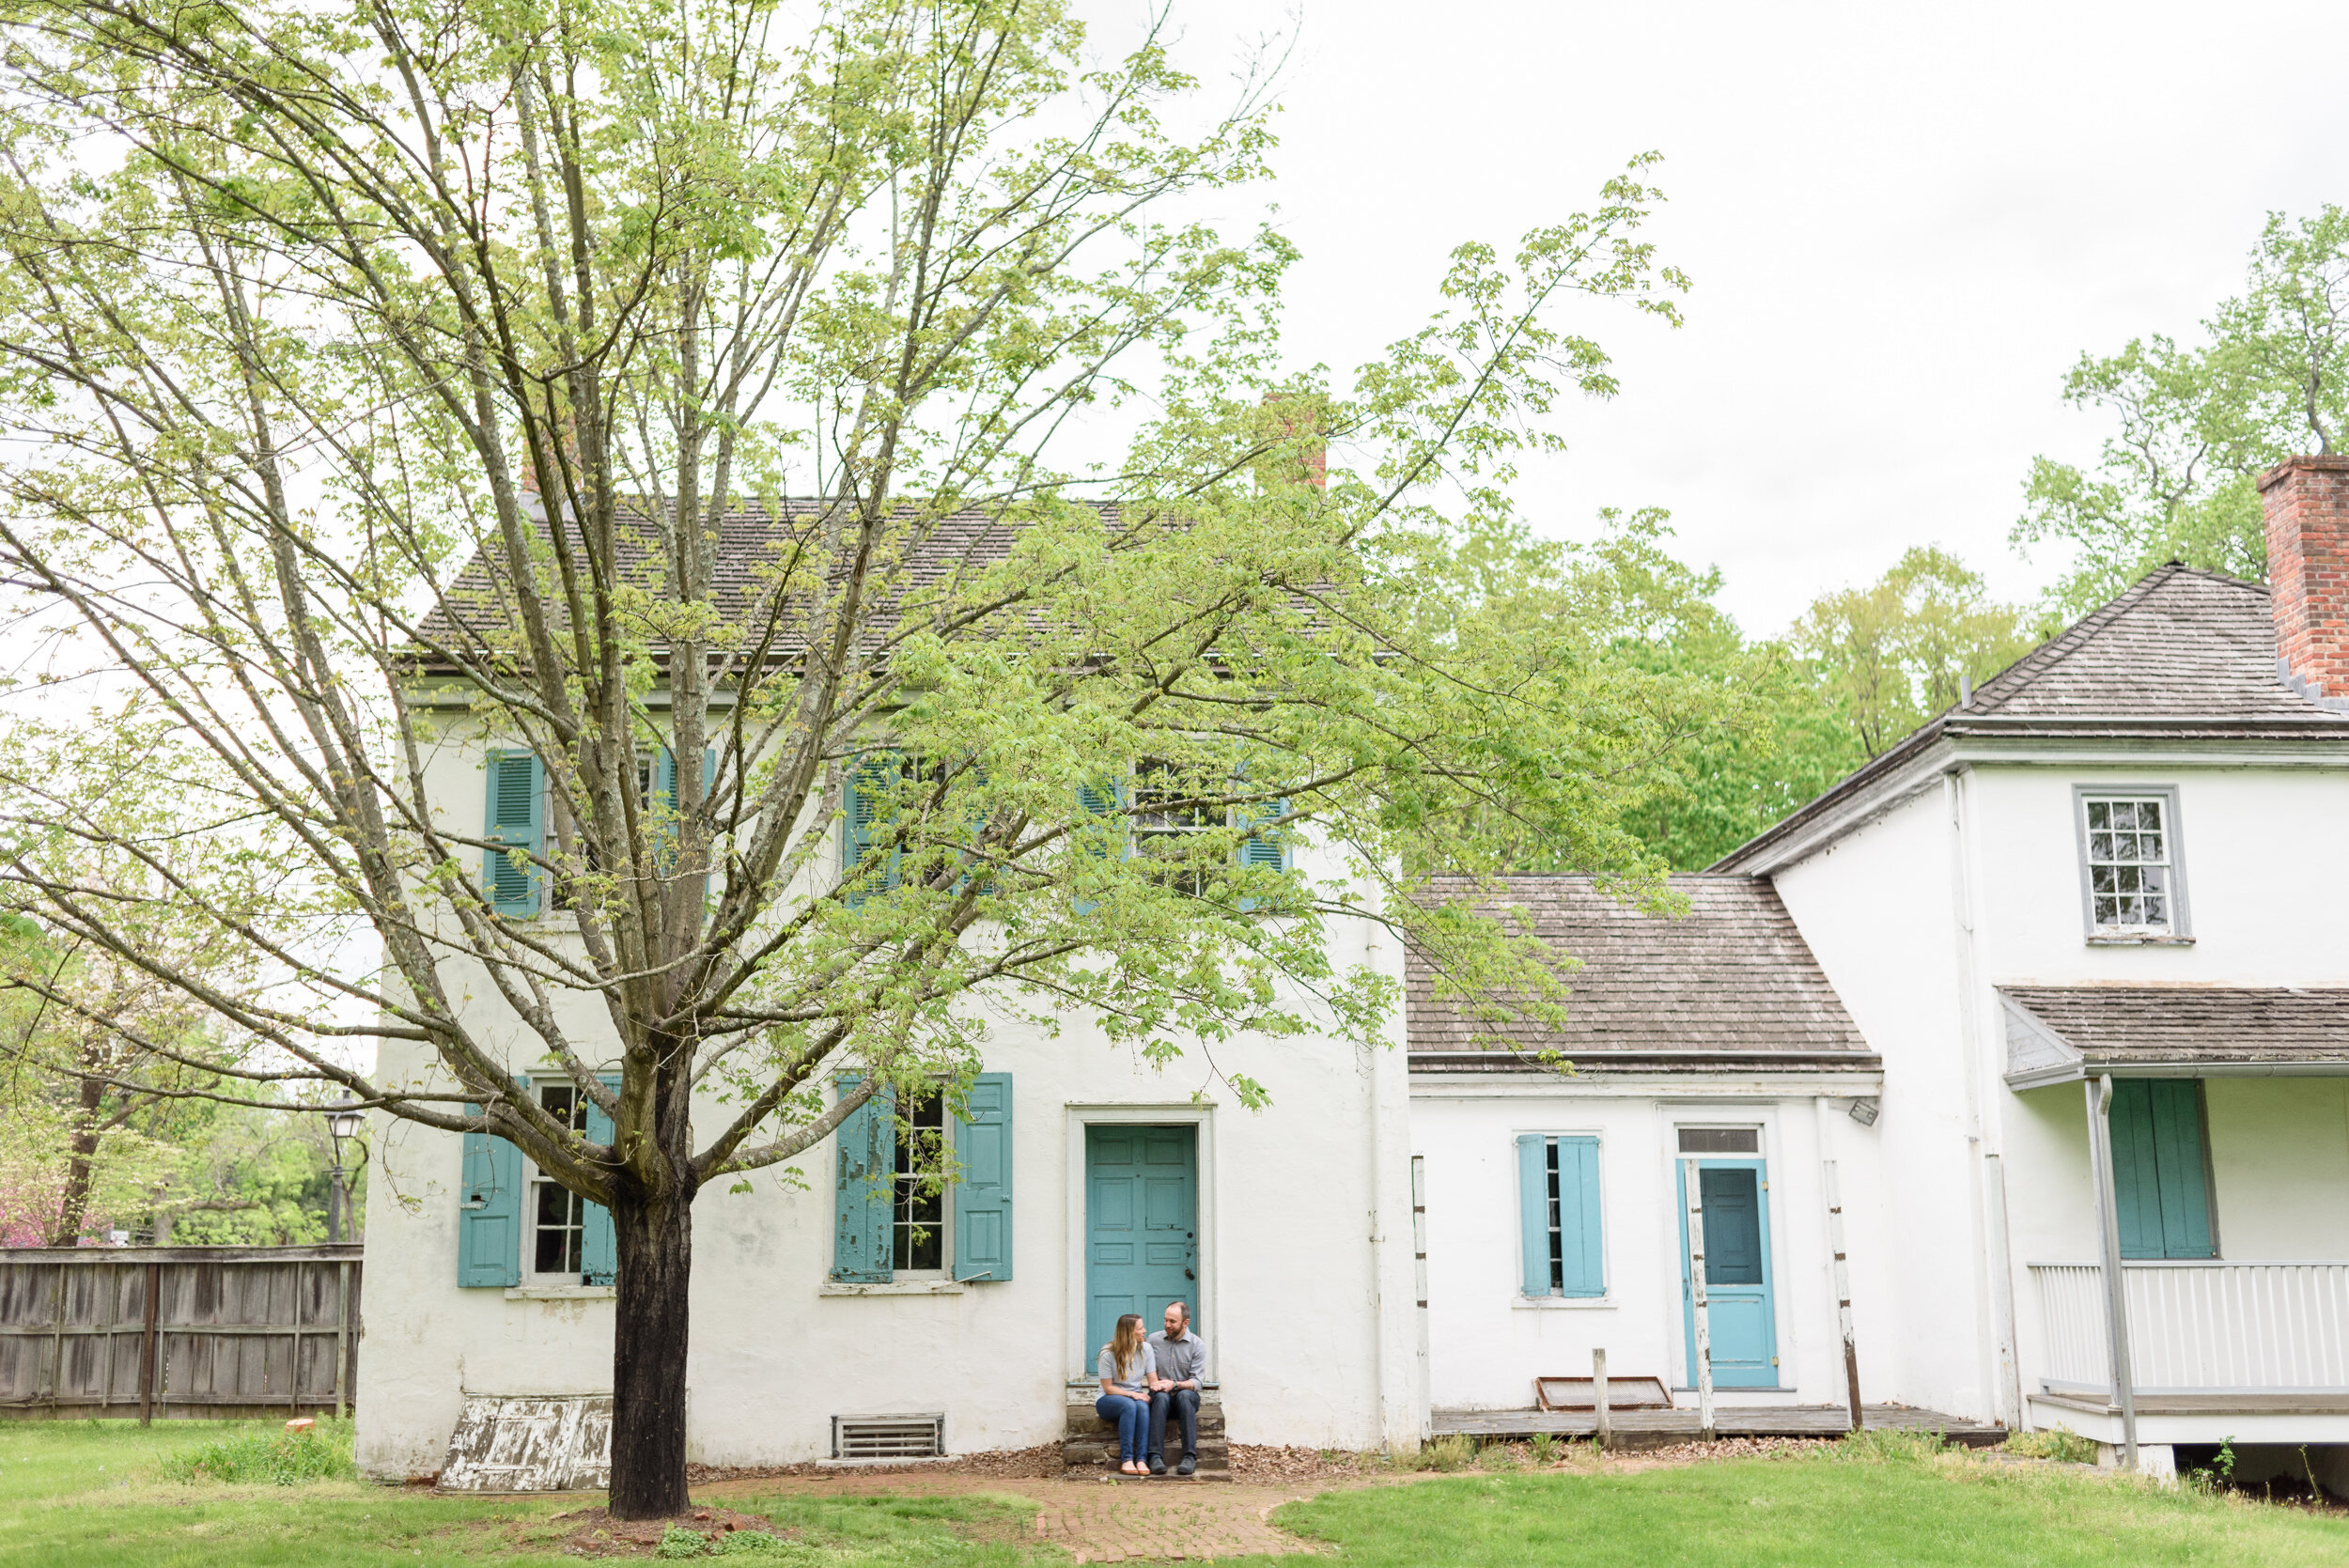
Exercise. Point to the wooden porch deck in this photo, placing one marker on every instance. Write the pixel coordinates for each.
(1651, 1429)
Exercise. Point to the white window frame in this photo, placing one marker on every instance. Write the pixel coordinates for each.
(2178, 930)
(533, 1179)
(944, 1229)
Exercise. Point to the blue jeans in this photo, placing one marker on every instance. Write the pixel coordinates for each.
(1132, 1417)
(1183, 1404)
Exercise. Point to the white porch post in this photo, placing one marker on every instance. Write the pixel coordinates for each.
(2108, 1232)
(1843, 1290)
(1703, 1369)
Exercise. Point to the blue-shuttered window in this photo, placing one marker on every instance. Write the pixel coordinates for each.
(2160, 1175)
(570, 1239)
(888, 1215)
(1559, 1216)
(517, 804)
(983, 1194)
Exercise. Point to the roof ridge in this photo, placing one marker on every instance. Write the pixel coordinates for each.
(2071, 639)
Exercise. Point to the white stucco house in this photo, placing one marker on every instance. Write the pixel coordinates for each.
(1554, 1205)
(2116, 860)
(1092, 1183)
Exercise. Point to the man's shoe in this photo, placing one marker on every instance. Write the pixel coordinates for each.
(1158, 1464)
(1190, 1463)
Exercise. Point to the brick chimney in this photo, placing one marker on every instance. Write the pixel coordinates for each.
(1299, 424)
(2307, 502)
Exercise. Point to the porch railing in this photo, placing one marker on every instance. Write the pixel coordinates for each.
(2201, 1327)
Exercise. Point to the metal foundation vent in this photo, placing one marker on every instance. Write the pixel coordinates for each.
(888, 1436)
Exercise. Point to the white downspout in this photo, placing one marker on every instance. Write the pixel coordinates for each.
(1982, 1142)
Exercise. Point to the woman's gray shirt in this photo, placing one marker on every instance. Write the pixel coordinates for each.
(1141, 1363)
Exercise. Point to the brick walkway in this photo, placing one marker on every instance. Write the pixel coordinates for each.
(1095, 1520)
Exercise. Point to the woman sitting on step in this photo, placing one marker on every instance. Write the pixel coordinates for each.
(1126, 1369)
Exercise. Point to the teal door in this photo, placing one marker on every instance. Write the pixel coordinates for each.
(1736, 1272)
(1141, 1227)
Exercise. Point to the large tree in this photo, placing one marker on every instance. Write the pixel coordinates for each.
(391, 380)
(2193, 425)
(1885, 658)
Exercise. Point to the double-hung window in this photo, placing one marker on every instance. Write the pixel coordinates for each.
(518, 1226)
(2133, 875)
(893, 1215)
(1559, 1216)
(558, 1216)
(1168, 817)
(917, 1227)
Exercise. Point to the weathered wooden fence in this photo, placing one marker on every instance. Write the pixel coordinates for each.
(177, 1332)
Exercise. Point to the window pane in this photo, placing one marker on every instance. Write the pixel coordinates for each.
(1557, 1247)
(1721, 1140)
(556, 1249)
(917, 1239)
(2128, 855)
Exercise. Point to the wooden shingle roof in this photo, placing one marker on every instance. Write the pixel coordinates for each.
(758, 541)
(2180, 643)
(2055, 1034)
(1732, 982)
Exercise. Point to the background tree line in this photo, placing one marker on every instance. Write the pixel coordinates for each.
(85, 1157)
(2189, 425)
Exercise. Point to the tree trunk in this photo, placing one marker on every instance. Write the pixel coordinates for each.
(655, 1241)
(81, 1152)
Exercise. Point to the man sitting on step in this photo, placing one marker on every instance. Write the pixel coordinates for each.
(1178, 1372)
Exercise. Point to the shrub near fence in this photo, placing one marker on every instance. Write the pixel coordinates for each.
(200, 1332)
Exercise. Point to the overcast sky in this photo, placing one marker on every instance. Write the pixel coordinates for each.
(1903, 224)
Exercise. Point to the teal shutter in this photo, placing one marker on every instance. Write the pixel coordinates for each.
(869, 790)
(1265, 854)
(1585, 1271)
(983, 1195)
(598, 1248)
(864, 1198)
(517, 802)
(665, 802)
(660, 809)
(2161, 1194)
(1095, 800)
(490, 1212)
(1534, 1210)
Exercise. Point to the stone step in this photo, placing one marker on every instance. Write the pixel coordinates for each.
(1089, 1453)
(1090, 1445)
(1085, 1421)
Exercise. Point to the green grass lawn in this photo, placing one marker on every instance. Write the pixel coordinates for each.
(100, 1494)
(90, 1493)
(1811, 1512)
